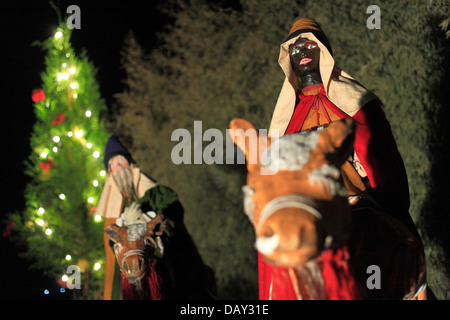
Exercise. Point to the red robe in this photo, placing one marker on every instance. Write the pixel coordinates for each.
(377, 151)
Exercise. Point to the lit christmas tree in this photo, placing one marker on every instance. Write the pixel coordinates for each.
(58, 228)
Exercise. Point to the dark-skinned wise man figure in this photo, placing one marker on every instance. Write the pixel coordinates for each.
(315, 93)
(179, 269)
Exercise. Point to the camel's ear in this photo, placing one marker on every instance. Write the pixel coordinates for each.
(151, 225)
(113, 232)
(249, 140)
(337, 140)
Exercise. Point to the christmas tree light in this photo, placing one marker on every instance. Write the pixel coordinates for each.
(65, 169)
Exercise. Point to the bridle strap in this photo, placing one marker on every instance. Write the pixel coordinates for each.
(134, 252)
(129, 253)
(288, 201)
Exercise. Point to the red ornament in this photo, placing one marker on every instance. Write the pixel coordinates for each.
(47, 164)
(62, 283)
(58, 119)
(92, 209)
(38, 95)
(7, 231)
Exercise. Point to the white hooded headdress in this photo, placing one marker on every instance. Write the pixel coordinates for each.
(341, 89)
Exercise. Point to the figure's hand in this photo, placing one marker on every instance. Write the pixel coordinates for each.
(133, 214)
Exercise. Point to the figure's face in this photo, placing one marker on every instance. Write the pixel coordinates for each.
(117, 163)
(120, 170)
(304, 55)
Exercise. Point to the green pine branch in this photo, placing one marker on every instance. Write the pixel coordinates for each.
(57, 228)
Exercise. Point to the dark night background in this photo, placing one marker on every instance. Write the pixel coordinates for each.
(407, 41)
(104, 25)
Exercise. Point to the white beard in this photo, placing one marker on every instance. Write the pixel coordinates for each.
(124, 181)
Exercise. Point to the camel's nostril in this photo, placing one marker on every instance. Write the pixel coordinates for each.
(302, 235)
(267, 231)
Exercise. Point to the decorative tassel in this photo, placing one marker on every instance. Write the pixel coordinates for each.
(128, 292)
(154, 285)
(339, 283)
(154, 282)
(282, 285)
